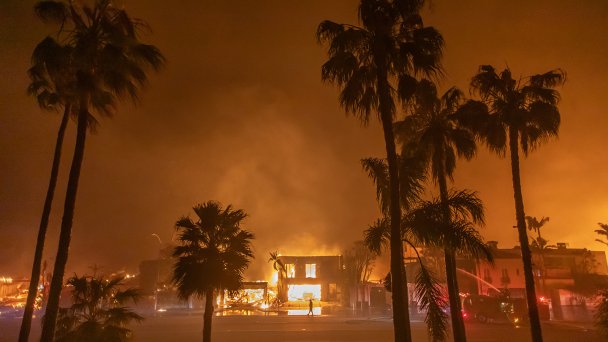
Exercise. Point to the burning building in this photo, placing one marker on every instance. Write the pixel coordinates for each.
(313, 277)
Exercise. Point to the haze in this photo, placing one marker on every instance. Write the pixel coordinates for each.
(241, 116)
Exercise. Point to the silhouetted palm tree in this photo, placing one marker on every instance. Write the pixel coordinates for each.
(213, 254)
(433, 129)
(48, 84)
(602, 232)
(424, 226)
(535, 224)
(522, 114)
(371, 63)
(108, 62)
(539, 244)
(53, 83)
(279, 266)
(98, 312)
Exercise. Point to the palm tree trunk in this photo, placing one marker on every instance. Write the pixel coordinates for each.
(401, 319)
(526, 255)
(50, 317)
(208, 315)
(26, 323)
(542, 265)
(458, 328)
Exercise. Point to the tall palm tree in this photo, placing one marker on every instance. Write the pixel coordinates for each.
(602, 232)
(279, 266)
(53, 83)
(108, 62)
(50, 88)
(423, 225)
(98, 312)
(522, 114)
(213, 254)
(433, 128)
(371, 63)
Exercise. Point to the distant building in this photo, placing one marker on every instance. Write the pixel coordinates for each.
(556, 268)
(313, 277)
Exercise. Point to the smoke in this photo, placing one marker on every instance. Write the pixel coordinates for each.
(240, 116)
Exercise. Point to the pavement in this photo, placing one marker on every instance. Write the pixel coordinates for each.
(350, 328)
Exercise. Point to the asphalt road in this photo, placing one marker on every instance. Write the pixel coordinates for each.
(177, 328)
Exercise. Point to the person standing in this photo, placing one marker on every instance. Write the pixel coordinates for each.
(310, 308)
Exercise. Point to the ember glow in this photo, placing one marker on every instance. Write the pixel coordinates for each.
(304, 292)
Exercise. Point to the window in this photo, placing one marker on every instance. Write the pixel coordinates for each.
(504, 278)
(311, 270)
(486, 275)
(304, 292)
(290, 270)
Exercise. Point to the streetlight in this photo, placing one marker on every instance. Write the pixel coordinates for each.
(156, 267)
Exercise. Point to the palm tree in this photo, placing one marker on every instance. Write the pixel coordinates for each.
(539, 244)
(424, 226)
(279, 266)
(535, 224)
(433, 128)
(98, 312)
(371, 63)
(602, 232)
(53, 85)
(213, 254)
(108, 62)
(522, 114)
(50, 62)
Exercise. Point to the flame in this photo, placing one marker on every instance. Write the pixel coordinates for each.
(304, 292)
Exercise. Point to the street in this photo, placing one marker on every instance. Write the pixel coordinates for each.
(254, 328)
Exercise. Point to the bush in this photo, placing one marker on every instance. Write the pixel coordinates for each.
(601, 315)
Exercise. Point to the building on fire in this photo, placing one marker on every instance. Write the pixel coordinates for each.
(313, 277)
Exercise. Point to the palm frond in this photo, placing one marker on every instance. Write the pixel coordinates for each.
(377, 236)
(51, 11)
(377, 170)
(432, 300)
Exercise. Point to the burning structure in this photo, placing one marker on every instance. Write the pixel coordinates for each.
(313, 277)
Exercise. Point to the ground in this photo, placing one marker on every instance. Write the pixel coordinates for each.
(188, 327)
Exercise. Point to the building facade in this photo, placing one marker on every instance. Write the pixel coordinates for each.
(554, 269)
(313, 277)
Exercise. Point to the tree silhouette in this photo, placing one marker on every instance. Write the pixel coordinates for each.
(213, 254)
(423, 225)
(98, 313)
(108, 62)
(601, 313)
(602, 232)
(522, 114)
(371, 64)
(53, 84)
(50, 62)
(434, 130)
(279, 266)
(539, 244)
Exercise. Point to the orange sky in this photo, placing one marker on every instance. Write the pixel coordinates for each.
(240, 115)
